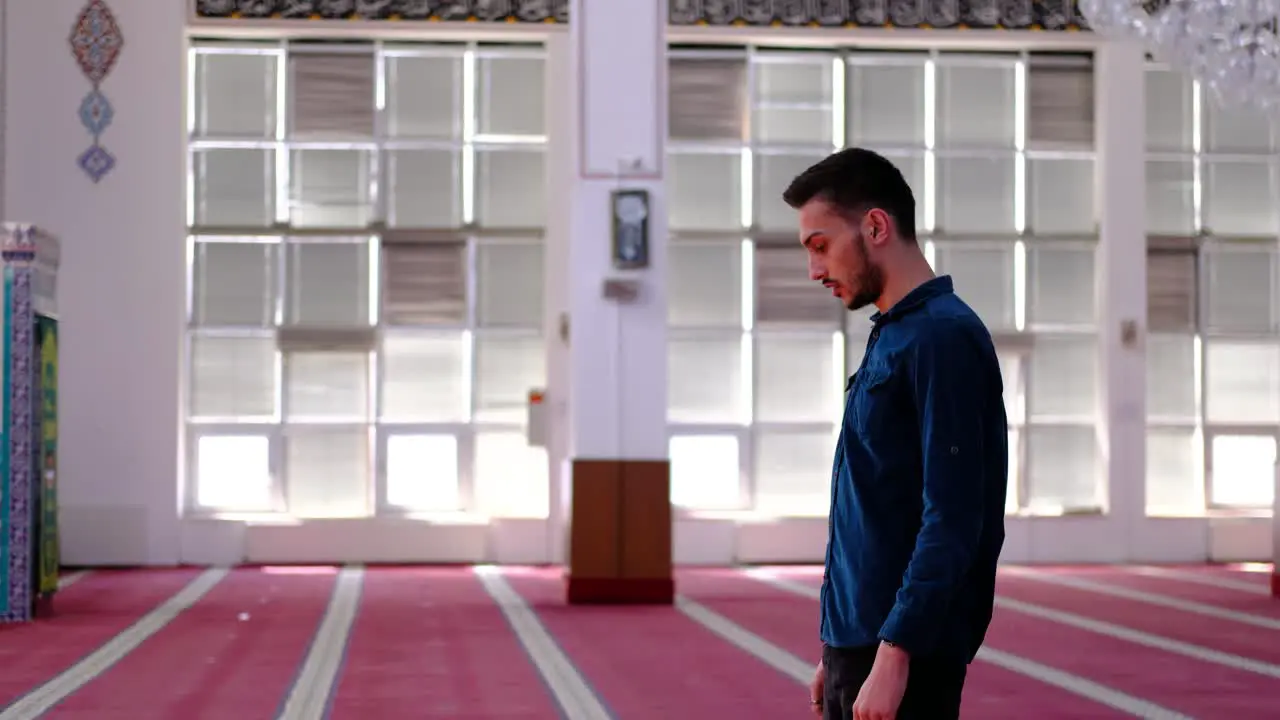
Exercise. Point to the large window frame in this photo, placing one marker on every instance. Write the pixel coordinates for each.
(848, 335)
(468, 233)
(1194, 150)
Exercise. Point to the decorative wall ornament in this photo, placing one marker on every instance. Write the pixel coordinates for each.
(922, 14)
(96, 42)
(925, 14)
(511, 11)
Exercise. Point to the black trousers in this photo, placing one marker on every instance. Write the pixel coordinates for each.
(934, 685)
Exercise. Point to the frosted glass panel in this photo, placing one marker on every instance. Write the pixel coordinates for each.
(509, 279)
(1062, 197)
(511, 478)
(328, 473)
(983, 276)
(705, 191)
(1171, 377)
(704, 380)
(511, 188)
(705, 284)
(976, 106)
(705, 472)
(1241, 280)
(232, 377)
(1063, 378)
(1240, 198)
(773, 174)
(422, 472)
(976, 195)
(1175, 484)
(793, 473)
(327, 386)
(1170, 197)
(234, 187)
(234, 284)
(1062, 469)
(426, 188)
(507, 368)
(1242, 382)
(1060, 284)
(327, 283)
(796, 378)
(1012, 495)
(423, 378)
(1243, 470)
(886, 105)
(233, 472)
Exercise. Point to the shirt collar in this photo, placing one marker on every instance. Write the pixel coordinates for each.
(924, 292)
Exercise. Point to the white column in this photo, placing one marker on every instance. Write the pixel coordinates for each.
(607, 110)
(121, 283)
(617, 352)
(1122, 280)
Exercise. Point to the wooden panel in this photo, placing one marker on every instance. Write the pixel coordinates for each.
(594, 530)
(646, 519)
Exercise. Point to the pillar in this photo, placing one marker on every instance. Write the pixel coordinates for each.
(122, 277)
(607, 349)
(1122, 280)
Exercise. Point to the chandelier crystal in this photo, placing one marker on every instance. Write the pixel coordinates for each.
(1231, 46)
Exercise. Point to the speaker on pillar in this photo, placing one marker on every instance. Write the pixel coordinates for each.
(620, 533)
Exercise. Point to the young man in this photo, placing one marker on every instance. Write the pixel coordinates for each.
(918, 487)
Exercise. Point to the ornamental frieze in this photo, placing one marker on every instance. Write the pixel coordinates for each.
(928, 14)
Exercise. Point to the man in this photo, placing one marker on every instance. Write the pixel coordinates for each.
(918, 487)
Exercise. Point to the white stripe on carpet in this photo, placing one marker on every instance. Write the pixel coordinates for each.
(1074, 684)
(43, 698)
(310, 693)
(1191, 576)
(1142, 596)
(576, 698)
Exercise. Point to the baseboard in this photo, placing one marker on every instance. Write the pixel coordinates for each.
(620, 591)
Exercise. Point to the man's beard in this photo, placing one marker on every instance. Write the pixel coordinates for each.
(868, 284)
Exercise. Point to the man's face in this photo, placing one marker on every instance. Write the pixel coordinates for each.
(838, 255)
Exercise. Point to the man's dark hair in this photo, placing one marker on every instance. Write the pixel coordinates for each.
(856, 180)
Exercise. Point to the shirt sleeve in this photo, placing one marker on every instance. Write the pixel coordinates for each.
(947, 381)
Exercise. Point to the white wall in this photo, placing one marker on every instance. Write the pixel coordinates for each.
(121, 283)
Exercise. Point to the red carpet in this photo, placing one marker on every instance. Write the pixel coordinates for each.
(1182, 683)
(791, 622)
(1214, 633)
(89, 613)
(1225, 598)
(655, 663)
(234, 654)
(431, 643)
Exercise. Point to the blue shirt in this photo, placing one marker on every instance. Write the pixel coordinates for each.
(918, 487)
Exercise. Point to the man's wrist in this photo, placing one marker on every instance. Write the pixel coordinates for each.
(892, 650)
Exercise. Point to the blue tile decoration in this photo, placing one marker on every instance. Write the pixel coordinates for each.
(96, 112)
(96, 162)
(1051, 15)
(96, 44)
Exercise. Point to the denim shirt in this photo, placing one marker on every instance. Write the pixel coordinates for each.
(918, 484)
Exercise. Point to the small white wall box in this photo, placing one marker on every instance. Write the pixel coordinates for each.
(537, 425)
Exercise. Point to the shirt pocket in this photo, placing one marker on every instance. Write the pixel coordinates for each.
(872, 399)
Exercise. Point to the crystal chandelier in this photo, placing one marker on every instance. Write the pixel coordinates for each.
(1231, 46)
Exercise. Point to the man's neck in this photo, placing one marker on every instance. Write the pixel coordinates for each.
(913, 272)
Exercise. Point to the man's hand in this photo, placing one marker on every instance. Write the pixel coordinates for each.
(881, 693)
(816, 689)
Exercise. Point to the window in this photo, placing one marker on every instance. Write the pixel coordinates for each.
(362, 220)
(1213, 260)
(1244, 471)
(705, 472)
(999, 151)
